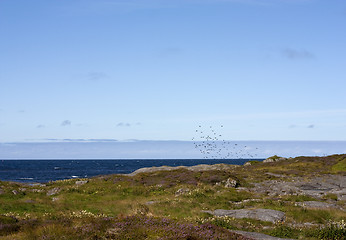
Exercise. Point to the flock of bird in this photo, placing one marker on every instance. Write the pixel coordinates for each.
(211, 145)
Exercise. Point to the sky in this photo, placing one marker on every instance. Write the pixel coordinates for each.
(106, 70)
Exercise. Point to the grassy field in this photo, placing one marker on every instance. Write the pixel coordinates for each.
(169, 205)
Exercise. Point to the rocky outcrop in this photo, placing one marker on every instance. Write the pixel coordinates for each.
(316, 205)
(317, 187)
(231, 183)
(53, 191)
(274, 159)
(246, 201)
(267, 215)
(81, 182)
(197, 168)
(182, 191)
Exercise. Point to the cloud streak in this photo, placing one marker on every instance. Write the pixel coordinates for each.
(294, 54)
(123, 124)
(65, 123)
(96, 76)
(70, 149)
(280, 115)
(126, 124)
(79, 140)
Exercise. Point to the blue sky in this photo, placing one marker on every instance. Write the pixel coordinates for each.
(157, 69)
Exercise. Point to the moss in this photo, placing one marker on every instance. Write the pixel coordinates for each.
(154, 194)
(340, 166)
(253, 162)
(7, 219)
(275, 157)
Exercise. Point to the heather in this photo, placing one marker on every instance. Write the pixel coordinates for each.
(178, 204)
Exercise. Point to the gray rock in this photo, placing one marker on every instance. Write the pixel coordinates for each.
(2, 191)
(316, 187)
(15, 192)
(246, 201)
(275, 175)
(37, 185)
(182, 191)
(197, 168)
(53, 191)
(274, 159)
(247, 164)
(81, 182)
(37, 190)
(268, 160)
(267, 215)
(231, 183)
(316, 204)
(341, 194)
(150, 202)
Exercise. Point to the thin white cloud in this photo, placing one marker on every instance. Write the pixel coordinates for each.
(280, 115)
(127, 124)
(96, 76)
(295, 54)
(123, 124)
(68, 148)
(65, 123)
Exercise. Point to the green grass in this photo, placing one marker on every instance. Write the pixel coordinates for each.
(340, 166)
(32, 214)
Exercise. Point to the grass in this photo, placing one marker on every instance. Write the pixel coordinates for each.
(166, 205)
(340, 166)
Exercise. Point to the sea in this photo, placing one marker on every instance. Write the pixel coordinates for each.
(42, 171)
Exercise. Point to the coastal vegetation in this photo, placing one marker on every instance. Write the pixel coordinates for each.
(307, 193)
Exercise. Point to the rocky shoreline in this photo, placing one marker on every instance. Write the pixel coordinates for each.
(279, 198)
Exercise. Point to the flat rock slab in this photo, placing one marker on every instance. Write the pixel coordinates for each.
(316, 187)
(259, 236)
(316, 204)
(267, 215)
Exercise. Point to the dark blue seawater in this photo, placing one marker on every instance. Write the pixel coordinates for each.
(51, 170)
